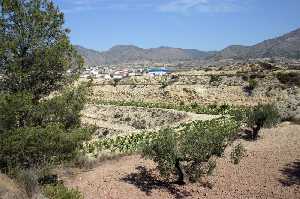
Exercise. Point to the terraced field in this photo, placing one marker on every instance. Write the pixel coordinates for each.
(130, 115)
(115, 120)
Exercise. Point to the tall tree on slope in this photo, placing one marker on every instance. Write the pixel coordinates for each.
(35, 51)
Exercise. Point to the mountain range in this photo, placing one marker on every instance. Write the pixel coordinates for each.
(287, 46)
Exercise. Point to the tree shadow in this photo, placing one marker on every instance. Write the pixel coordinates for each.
(291, 173)
(247, 135)
(146, 183)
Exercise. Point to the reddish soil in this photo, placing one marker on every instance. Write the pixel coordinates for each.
(271, 169)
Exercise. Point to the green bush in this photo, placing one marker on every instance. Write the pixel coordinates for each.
(164, 151)
(237, 153)
(289, 78)
(188, 153)
(31, 146)
(64, 108)
(14, 110)
(59, 191)
(17, 109)
(252, 84)
(263, 115)
(164, 82)
(215, 80)
(266, 66)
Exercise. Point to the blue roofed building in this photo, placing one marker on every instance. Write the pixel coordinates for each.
(158, 71)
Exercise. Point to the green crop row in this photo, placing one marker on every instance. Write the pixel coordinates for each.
(134, 142)
(239, 113)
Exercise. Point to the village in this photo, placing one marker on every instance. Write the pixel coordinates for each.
(108, 73)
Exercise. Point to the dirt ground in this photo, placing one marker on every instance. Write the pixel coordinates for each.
(10, 190)
(271, 169)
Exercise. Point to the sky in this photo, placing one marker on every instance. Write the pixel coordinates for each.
(193, 24)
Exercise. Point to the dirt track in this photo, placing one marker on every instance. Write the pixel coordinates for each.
(270, 170)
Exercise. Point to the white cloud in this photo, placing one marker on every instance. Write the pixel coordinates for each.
(169, 6)
(211, 6)
(88, 5)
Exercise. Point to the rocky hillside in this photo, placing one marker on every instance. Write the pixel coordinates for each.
(287, 45)
(133, 54)
(91, 57)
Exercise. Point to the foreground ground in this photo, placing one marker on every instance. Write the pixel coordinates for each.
(270, 170)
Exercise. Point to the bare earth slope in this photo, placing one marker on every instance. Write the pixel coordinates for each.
(270, 170)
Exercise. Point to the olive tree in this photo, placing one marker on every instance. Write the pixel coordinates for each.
(262, 115)
(188, 153)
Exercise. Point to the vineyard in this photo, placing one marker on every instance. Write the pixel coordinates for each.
(134, 142)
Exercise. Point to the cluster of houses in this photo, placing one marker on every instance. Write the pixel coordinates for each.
(98, 72)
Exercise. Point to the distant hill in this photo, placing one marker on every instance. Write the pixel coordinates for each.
(287, 45)
(133, 54)
(91, 57)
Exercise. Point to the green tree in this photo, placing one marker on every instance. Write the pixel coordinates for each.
(188, 153)
(35, 55)
(262, 115)
(14, 110)
(35, 50)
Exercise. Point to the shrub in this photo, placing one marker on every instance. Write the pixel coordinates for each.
(28, 179)
(164, 82)
(245, 77)
(252, 84)
(188, 153)
(266, 66)
(262, 116)
(289, 78)
(215, 80)
(17, 109)
(164, 151)
(64, 108)
(237, 153)
(115, 82)
(59, 191)
(82, 160)
(139, 124)
(31, 146)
